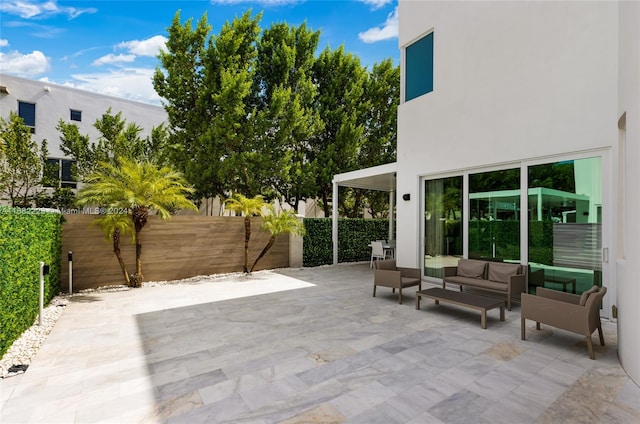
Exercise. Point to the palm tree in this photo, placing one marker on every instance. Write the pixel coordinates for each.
(279, 223)
(113, 226)
(135, 188)
(248, 207)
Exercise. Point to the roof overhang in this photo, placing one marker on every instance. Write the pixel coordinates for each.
(380, 178)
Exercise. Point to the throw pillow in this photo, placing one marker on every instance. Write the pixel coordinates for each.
(470, 268)
(501, 272)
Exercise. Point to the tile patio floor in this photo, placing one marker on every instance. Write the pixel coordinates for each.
(309, 346)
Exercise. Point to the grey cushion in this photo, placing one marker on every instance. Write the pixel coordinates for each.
(501, 272)
(471, 268)
(586, 294)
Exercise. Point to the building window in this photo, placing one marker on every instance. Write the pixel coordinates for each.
(419, 67)
(27, 111)
(59, 173)
(76, 115)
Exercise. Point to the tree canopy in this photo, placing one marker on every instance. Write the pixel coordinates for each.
(256, 111)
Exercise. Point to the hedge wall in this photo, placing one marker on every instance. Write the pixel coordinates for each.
(27, 236)
(354, 235)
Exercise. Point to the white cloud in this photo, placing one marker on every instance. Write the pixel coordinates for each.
(384, 32)
(132, 83)
(4, 42)
(112, 58)
(376, 4)
(24, 65)
(39, 9)
(149, 47)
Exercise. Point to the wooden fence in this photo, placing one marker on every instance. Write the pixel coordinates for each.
(185, 246)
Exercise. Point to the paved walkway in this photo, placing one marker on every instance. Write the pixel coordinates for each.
(309, 346)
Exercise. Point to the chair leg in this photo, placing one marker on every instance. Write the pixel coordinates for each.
(523, 329)
(400, 295)
(601, 336)
(509, 303)
(590, 347)
(538, 326)
(374, 289)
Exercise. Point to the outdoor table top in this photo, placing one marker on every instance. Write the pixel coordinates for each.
(466, 299)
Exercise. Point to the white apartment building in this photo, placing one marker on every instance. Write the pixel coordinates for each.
(519, 140)
(42, 105)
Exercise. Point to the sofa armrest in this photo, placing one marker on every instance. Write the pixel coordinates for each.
(449, 271)
(558, 295)
(410, 272)
(556, 313)
(518, 283)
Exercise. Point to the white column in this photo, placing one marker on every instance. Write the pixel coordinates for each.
(334, 222)
(392, 196)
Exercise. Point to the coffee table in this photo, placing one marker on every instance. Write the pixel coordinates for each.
(467, 300)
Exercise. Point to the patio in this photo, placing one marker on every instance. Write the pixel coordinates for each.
(309, 345)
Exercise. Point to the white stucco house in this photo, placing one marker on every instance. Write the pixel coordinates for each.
(519, 141)
(42, 105)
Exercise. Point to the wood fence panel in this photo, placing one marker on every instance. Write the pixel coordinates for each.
(185, 246)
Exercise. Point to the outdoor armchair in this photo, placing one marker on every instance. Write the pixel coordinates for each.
(576, 313)
(388, 275)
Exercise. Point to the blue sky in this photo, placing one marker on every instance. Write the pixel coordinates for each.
(109, 47)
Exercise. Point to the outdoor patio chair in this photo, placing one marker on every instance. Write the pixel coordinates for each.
(377, 252)
(388, 275)
(576, 313)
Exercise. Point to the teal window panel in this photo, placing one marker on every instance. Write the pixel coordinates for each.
(419, 68)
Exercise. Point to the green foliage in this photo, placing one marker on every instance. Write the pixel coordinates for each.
(354, 236)
(134, 188)
(277, 223)
(506, 235)
(27, 237)
(257, 112)
(61, 198)
(20, 161)
(541, 242)
(118, 139)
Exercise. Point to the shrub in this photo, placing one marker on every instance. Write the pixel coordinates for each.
(354, 236)
(27, 237)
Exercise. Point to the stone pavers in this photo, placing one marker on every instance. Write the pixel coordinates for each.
(309, 345)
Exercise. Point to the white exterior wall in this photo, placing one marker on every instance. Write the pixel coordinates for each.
(55, 104)
(629, 195)
(516, 81)
(512, 81)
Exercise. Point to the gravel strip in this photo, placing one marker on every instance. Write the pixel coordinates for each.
(25, 348)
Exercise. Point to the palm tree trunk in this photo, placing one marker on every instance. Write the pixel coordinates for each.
(247, 236)
(139, 216)
(116, 250)
(272, 240)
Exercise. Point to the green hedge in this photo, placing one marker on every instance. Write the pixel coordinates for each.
(27, 237)
(354, 235)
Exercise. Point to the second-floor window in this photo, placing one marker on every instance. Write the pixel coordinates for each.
(27, 111)
(76, 115)
(419, 67)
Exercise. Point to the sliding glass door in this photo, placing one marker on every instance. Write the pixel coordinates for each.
(442, 224)
(494, 215)
(565, 224)
(479, 215)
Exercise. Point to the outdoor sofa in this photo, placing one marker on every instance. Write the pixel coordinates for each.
(497, 277)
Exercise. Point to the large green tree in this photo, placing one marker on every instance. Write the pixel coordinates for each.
(340, 79)
(136, 188)
(20, 161)
(258, 112)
